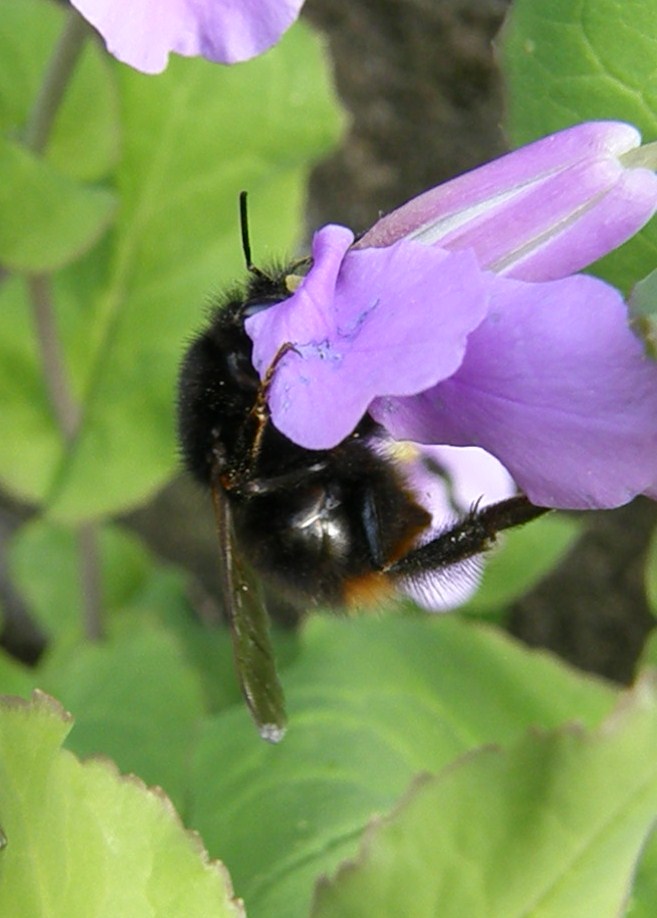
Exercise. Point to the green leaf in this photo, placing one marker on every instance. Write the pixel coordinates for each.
(651, 573)
(648, 658)
(570, 60)
(15, 678)
(127, 310)
(83, 842)
(44, 563)
(30, 442)
(371, 704)
(553, 826)
(84, 142)
(523, 558)
(163, 599)
(136, 700)
(643, 902)
(137, 594)
(46, 218)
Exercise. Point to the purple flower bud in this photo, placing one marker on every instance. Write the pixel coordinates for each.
(546, 376)
(143, 32)
(539, 213)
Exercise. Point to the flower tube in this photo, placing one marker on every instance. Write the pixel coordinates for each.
(542, 212)
(412, 325)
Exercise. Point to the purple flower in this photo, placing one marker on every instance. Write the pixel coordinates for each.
(547, 376)
(143, 32)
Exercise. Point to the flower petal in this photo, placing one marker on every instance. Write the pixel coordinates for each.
(470, 475)
(388, 321)
(556, 386)
(539, 213)
(143, 32)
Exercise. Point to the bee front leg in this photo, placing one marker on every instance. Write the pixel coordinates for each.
(260, 411)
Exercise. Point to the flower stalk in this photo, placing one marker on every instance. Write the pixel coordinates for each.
(59, 72)
(56, 80)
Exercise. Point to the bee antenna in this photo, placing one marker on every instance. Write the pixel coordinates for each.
(244, 227)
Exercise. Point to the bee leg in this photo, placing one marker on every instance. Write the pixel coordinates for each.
(471, 536)
(260, 411)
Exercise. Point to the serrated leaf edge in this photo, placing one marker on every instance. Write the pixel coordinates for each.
(638, 697)
(41, 701)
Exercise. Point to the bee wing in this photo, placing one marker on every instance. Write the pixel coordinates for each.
(252, 648)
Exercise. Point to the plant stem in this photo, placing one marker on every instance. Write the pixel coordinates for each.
(55, 82)
(67, 412)
(90, 579)
(64, 406)
(68, 416)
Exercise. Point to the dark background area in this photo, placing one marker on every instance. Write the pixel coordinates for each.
(419, 81)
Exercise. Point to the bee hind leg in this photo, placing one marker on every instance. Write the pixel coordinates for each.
(471, 536)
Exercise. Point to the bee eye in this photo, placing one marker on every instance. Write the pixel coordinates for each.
(253, 308)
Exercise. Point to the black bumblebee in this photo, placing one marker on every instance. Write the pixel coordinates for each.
(329, 528)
